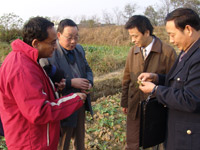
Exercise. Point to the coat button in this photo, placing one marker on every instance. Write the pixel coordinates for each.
(178, 79)
(189, 132)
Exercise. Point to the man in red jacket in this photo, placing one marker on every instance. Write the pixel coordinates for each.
(29, 111)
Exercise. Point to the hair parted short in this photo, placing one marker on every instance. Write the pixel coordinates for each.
(140, 22)
(65, 22)
(183, 17)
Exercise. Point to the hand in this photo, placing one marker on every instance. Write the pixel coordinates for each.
(147, 87)
(80, 83)
(125, 110)
(88, 90)
(152, 77)
(82, 96)
(61, 84)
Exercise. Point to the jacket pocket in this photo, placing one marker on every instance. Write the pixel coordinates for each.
(179, 82)
(187, 136)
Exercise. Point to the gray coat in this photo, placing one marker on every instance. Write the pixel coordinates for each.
(58, 59)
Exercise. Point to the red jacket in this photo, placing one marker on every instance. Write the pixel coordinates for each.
(29, 111)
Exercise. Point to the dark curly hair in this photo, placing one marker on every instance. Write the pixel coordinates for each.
(142, 23)
(64, 23)
(36, 28)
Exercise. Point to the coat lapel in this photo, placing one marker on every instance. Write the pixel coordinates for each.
(63, 64)
(179, 65)
(78, 60)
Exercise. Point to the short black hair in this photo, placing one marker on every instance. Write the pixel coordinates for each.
(142, 23)
(183, 17)
(36, 28)
(64, 23)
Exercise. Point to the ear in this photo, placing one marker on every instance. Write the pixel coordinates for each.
(35, 43)
(147, 32)
(188, 30)
(58, 35)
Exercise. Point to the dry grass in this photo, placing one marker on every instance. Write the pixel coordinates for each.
(105, 85)
(108, 35)
(115, 36)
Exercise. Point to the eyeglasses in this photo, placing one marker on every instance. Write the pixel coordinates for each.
(70, 38)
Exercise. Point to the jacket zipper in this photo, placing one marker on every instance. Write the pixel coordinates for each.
(47, 134)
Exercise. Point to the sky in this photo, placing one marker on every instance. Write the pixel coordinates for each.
(74, 9)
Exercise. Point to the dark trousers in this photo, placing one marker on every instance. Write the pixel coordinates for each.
(132, 133)
(77, 134)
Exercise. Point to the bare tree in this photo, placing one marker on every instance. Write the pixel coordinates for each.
(107, 17)
(96, 19)
(129, 10)
(10, 27)
(91, 22)
(167, 6)
(10, 21)
(193, 4)
(56, 20)
(118, 16)
(163, 10)
(157, 16)
(152, 15)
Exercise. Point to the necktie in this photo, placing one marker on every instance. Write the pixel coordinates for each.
(180, 58)
(70, 55)
(144, 51)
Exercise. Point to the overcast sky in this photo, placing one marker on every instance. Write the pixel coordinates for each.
(73, 9)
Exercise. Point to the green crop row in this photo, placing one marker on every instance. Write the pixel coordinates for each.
(102, 59)
(105, 59)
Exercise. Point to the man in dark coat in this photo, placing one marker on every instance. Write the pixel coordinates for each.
(149, 54)
(70, 57)
(180, 92)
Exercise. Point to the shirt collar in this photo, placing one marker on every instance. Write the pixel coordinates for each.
(149, 47)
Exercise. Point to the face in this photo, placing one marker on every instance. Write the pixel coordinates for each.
(69, 38)
(139, 39)
(46, 47)
(177, 37)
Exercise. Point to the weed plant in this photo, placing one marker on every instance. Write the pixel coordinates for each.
(2, 143)
(106, 131)
(4, 50)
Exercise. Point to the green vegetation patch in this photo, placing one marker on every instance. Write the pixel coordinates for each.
(2, 143)
(107, 130)
(5, 48)
(105, 59)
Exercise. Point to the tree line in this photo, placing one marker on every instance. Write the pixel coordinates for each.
(158, 14)
(11, 24)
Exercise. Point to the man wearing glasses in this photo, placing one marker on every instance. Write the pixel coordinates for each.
(29, 109)
(70, 57)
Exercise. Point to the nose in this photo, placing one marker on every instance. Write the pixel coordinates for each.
(133, 40)
(73, 40)
(171, 40)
